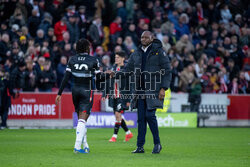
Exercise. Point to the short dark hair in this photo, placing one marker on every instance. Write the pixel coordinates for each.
(121, 54)
(230, 60)
(21, 63)
(83, 46)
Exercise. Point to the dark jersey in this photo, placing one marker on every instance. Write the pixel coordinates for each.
(82, 67)
(117, 89)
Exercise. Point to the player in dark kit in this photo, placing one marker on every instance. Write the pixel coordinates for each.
(82, 67)
(115, 90)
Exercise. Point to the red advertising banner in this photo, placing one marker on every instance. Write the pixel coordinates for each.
(42, 106)
(34, 106)
(239, 107)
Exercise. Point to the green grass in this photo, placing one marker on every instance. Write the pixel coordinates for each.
(181, 148)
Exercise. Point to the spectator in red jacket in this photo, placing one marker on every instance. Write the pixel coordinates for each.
(60, 28)
(115, 29)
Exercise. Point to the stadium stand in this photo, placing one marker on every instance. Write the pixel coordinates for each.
(208, 40)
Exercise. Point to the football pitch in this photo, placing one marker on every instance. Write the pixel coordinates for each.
(181, 148)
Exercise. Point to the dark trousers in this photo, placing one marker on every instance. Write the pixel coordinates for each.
(4, 115)
(146, 116)
(4, 109)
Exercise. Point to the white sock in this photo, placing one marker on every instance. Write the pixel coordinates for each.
(80, 132)
(114, 135)
(84, 141)
(128, 132)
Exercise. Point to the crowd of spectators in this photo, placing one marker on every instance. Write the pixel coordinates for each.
(206, 40)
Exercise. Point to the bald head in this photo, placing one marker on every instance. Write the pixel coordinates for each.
(146, 38)
(148, 33)
(184, 38)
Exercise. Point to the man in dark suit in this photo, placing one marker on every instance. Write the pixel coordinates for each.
(151, 67)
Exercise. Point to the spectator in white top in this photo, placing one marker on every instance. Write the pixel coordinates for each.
(200, 68)
(225, 14)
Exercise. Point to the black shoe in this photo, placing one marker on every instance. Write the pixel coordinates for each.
(157, 149)
(139, 150)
